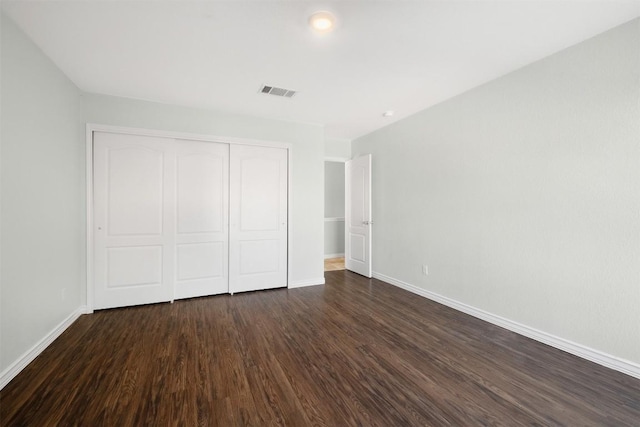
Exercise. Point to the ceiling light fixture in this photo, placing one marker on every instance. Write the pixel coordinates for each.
(322, 22)
(387, 113)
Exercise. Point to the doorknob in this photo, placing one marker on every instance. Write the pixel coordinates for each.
(367, 222)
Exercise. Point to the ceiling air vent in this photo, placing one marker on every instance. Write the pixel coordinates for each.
(277, 91)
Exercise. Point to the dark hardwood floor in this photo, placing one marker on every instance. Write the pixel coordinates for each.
(353, 352)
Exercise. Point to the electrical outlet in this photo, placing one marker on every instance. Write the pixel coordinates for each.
(425, 270)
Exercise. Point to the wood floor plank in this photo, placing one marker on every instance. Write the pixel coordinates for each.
(353, 352)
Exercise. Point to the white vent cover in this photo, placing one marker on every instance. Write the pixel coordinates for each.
(277, 91)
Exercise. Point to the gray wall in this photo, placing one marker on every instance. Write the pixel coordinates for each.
(523, 195)
(42, 168)
(333, 190)
(333, 208)
(333, 239)
(337, 148)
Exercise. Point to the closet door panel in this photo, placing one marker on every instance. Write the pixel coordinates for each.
(135, 186)
(133, 220)
(258, 256)
(259, 198)
(134, 266)
(202, 206)
(258, 218)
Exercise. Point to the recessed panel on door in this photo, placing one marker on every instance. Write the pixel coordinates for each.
(133, 219)
(202, 178)
(357, 244)
(134, 266)
(201, 260)
(202, 187)
(259, 194)
(259, 256)
(135, 191)
(258, 218)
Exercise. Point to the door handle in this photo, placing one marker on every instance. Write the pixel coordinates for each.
(367, 222)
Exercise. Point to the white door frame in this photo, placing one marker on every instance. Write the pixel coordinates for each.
(93, 127)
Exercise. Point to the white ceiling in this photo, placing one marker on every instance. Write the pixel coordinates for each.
(383, 55)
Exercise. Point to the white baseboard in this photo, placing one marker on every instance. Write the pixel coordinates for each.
(14, 369)
(328, 256)
(304, 283)
(604, 359)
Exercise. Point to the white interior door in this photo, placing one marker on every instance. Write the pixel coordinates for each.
(258, 218)
(358, 215)
(202, 216)
(134, 220)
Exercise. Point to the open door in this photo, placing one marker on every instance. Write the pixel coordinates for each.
(358, 215)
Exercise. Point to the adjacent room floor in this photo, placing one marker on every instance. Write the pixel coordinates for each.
(353, 352)
(334, 264)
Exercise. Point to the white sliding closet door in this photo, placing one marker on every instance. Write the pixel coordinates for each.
(202, 234)
(258, 218)
(179, 219)
(134, 219)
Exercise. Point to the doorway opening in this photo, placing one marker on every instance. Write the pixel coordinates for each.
(334, 213)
